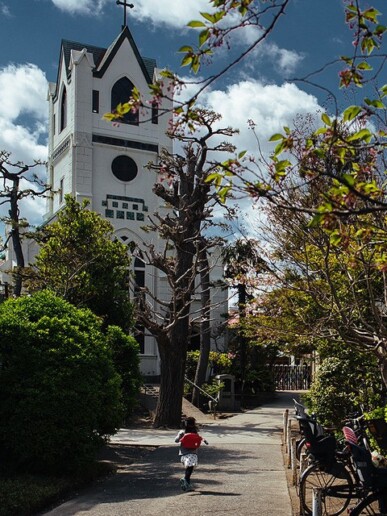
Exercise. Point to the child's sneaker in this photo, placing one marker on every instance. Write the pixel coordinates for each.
(190, 487)
(184, 484)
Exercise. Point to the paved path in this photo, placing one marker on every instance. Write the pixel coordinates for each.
(241, 472)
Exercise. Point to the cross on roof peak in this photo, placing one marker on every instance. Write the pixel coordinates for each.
(125, 4)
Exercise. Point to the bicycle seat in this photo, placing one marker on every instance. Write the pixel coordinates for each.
(310, 427)
(322, 447)
(300, 409)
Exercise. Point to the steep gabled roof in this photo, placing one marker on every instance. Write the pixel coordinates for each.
(103, 57)
(68, 46)
(147, 65)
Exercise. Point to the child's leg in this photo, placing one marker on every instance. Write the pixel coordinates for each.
(188, 473)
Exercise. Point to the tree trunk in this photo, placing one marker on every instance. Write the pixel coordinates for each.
(173, 347)
(16, 240)
(172, 365)
(205, 330)
(242, 338)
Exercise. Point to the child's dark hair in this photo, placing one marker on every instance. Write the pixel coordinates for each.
(190, 425)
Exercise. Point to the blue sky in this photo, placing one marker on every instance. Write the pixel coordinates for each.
(310, 34)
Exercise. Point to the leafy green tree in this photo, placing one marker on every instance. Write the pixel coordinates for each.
(323, 291)
(243, 263)
(60, 393)
(81, 262)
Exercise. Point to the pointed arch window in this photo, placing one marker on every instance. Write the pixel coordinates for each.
(139, 280)
(121, 92)
(63, 110)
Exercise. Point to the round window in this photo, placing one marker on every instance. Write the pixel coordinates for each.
(124, 168)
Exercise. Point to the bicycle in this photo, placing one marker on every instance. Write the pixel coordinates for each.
(373, 481)
(329, 470)
(317, 429)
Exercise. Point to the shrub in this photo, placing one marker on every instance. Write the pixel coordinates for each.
(60, 393)
(125, 352)
(219, 363)
(344, 384)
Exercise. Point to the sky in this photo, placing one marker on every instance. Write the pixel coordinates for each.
(310, 34)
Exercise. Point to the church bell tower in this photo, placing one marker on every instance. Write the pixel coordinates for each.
(93, 159)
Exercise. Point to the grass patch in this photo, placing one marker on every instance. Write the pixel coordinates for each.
(23, 495)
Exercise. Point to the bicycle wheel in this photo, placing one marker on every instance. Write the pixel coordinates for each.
(370, 505)
(339, 483)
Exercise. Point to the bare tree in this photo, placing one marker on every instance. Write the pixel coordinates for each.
(12, 174)
(185, 188)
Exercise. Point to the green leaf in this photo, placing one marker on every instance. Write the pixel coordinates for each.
(275, 137)
(364, 66)
(187, 60)
(195, 66)
(335, 238)
(351, 112)
(196, 23)
(280, 148)
(185, 48)
(223, 193)
(364, 134)
(203, 37)
(378, 104)
(207, 16)
(349, 179)
(241, 154)
(316, 220)
(325, 118)
(215, 178)
(320, 130)
(371, 14)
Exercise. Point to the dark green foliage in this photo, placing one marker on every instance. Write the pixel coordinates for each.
(347, 382)
(60, 393)
(125, 352)
(81, 261)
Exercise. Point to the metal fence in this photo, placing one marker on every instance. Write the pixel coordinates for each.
(292, 377)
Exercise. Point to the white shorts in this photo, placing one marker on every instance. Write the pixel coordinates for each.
(191, 459)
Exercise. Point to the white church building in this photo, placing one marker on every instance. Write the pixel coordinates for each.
(93, 159)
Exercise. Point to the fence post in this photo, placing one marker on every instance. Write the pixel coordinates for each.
(289, 433)
(285, 433)
(294, 460)
(317, 505)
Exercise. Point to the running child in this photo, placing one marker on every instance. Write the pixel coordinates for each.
(189, 440)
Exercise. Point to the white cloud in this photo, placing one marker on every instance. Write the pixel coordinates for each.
(175, 13)
(4, 10)
(23, 123)
(80, 6)
(270, 107)
(23, 90)
(287, 60)
(284, 62)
